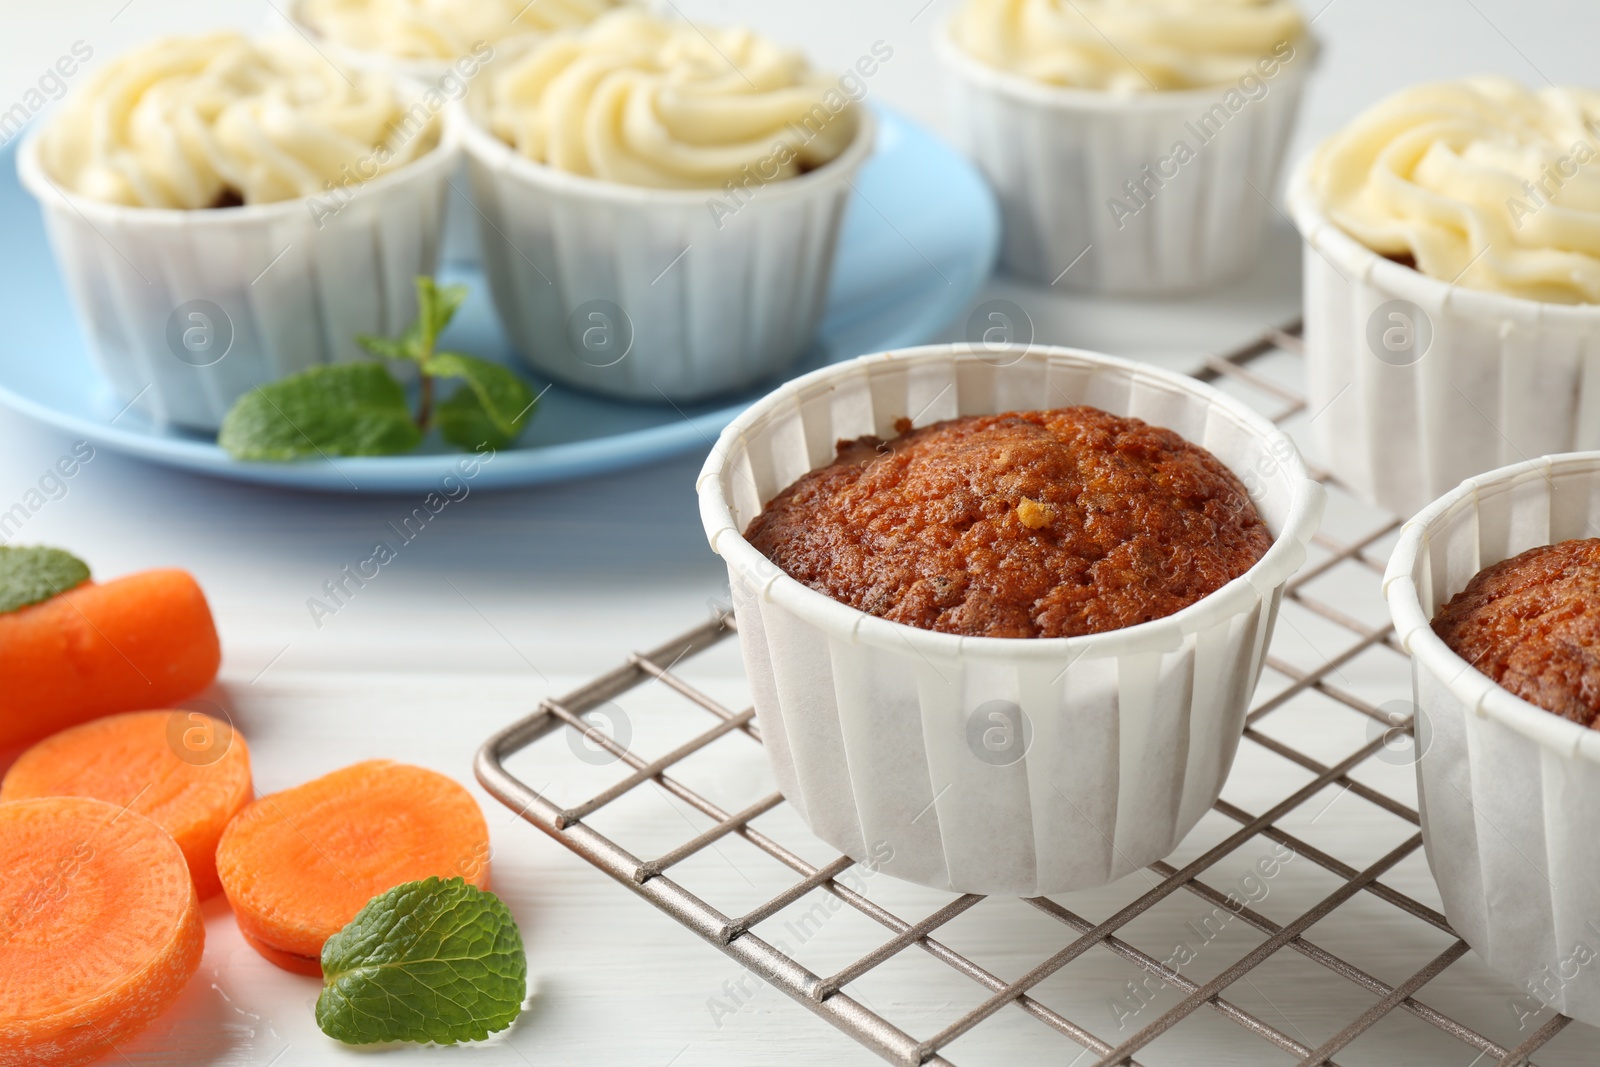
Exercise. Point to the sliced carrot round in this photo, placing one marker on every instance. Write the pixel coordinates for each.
(299, 864)
(187, 772)
(100, 928)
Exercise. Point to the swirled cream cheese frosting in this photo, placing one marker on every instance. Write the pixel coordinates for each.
(219, 120)
(1129, 45)
(642, 101)
(1482, 183)
(443, 29)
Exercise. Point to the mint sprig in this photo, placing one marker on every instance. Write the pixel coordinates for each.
(35, 573)
(360, 409)
(493, 405)
(344, 409)
(434, 960)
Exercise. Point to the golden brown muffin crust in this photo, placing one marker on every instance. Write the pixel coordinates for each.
(1532, 623)
(1028, 524)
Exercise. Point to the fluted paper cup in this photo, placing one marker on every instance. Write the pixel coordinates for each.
(186, 311)
(1419, 384)
(995, 765)
(646, 293)
(1093, 191)
(1508, 790)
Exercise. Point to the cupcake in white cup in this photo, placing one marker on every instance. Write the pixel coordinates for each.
(1133, 144)
(226, 212)
(423, 37)
(1508, 788)
(1017, 765)
(661, 203)
(1452, 285)
(443, 44)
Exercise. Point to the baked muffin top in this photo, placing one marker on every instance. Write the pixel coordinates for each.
(1532, 624)
(1028, 524)
(1482, 183)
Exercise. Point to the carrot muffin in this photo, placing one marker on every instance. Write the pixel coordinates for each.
(1532, 623)
(1027, 524)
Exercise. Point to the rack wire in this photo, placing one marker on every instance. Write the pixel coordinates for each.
(1267, 372)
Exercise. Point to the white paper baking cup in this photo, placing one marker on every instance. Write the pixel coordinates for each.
(885, 737)
(185, 311)
(1508, 791)
(645, 293)
(1417, 384)
(1059, 157)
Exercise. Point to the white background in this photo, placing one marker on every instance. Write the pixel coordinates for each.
(510, 597)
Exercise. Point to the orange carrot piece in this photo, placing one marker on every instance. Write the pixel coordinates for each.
(186, 772)
(299, 864)
(100, 929)
(144, 641)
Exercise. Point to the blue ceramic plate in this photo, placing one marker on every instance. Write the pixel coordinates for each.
(918, 242)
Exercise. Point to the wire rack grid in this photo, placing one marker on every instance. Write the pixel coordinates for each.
(739, 933)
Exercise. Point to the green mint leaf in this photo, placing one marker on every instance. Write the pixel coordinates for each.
(30, 575)
(503, 400)
(435, 960)
(463, 422)
(383, 346)
(344, 409)
(436, 306)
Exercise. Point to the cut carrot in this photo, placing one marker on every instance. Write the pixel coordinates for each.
(144, 641)
(186, 772)
(99, 929)
(299, 864)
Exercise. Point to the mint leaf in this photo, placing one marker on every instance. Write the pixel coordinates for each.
(30, 575)
(437, 305)
(463, 422)
(383, 346)
(345, 409)
(435, 960)
(493, 406)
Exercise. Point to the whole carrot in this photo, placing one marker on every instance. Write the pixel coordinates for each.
(143, 641)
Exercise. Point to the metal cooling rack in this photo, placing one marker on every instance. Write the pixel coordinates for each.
(735, 932)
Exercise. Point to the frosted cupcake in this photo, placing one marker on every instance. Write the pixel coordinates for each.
(661, 203)
(1133, 143)
(1452, 283)
(227, 212)
(430, 34)
(444, 44)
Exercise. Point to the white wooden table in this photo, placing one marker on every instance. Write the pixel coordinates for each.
(513, 596)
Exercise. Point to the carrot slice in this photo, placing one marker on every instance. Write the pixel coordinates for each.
(299, 864)
(143, 641)
(185, 771)
(100, 929)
